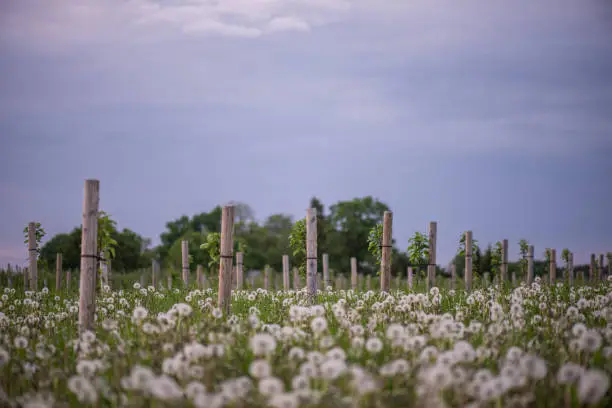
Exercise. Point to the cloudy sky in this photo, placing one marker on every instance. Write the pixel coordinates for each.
(494, 116)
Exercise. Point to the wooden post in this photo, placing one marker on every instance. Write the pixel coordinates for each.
(369, 282)
(185, 261)
(9, 272)
(592, 268)
(296, 279)
(530, 252)
(385, 265)
(431, 267)
(33, 257)
(609, 256)
(326, 279)
(286, 285)
(89, 255)
(199, 269)
(570, 268)
(600, 268)
(354, 273)
(142, 279)
(453, 276)
(68, 279)
(109, 272)
(410, 277)
(504, 262)
(154, 272)
(552, 270)
(468, 261)
(58, 272)
(225, 264)
(239, 270)
(169, 281)
(266, 277)
(311, 253)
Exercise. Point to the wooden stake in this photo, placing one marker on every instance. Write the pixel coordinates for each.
(286, 285)
(504, 262)
(239, 270)
(89, 255)
(553, 266)
(592, 268)
(600, 267)
(185, 261)
(33, 257)
(311, 253)
(431, 267)
(58, 272)
(468, 261)
(199, 269)
(410, 277)
(530, 252)
(326, 279)
(154, 272)
(296, 279)
(354, 273)
(570, 268)
(266, 278)
(385, 265)
(225, 264)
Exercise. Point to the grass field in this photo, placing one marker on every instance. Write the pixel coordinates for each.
(537, 346)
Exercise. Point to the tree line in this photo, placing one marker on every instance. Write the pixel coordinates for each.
(345, 229)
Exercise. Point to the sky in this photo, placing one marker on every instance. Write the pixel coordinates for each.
(490, 116)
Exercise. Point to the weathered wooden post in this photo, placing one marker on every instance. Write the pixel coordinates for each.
(227, 257)
(431, 267)
(453, 276)
(266, 277)
(169, 281)
(9, 273)
(410, 277)
(354, 273)
(385, 265)
(33, 257)
(592, 268)
(504, 262)
(296, 279)
(552, 269)
(570, 268)
(468, 261)
(311, 253)
(609, 256)
(185, 261)
(154, 272)
(326, 279)
(600, 268)
(89, 255)
(68, 279)
(369, 282)
(530, 252)
(239, 270)
(286, 285)
(58, 272)
(199, 269)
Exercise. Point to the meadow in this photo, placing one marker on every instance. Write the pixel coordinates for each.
(535, 345)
